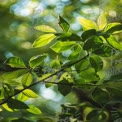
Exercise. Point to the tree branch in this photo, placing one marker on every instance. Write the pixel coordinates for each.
(43, 80)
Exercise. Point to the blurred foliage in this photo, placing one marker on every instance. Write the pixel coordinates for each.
(17, 21)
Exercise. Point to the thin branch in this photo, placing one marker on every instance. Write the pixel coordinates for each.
(43, 80)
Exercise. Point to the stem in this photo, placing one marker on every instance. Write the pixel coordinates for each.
(43, 80)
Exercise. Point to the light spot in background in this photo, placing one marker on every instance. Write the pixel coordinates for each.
(8, 54)
(49, 93)
(26, 45)
(112, 13)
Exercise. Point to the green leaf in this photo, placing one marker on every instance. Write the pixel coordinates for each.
(113, 28)
(96, 62)
(34, 110)
(102, 21)
(30, 93)
(14, 74)
(43, 40)
(45, 28)
(27, 79)
(89, 75)
(114, 43)
(88, 34)
(5, 106)
(63, 24)
(100, 95)
(36, 61)
(15, 62)
(76, 52)
(21, 120)
(22, 97)
(87, 24)
(64, 87)
(62, 46)
(55, 63)
(16, 104)
(68, 37)
(92, 43)
(104, 51)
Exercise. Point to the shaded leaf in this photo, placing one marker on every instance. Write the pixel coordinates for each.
(96, 62)
(16, 104)
(36, 61)
(43, 40)
(92, 43)
(64, 87)
(62, 46)
(21, 120)
(69, 37)
(87, 24)
(45, 28)
(88, 34)
(15, 62)
(63, 24)
(33, 109)
(104, 51)
(30, 93)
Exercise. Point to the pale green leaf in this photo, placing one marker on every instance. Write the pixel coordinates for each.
(27, 79)
(62, 46)
(30, 93)
(16, 62)
(5, 106)
(43, 40)
(14, 74)
(102, 21)
(87, 24)
(36, 61)
(114, 43)
(34, 110)
(45, 28)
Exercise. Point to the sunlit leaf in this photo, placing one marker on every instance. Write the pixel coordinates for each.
(43, 40)
(87, 24)
(27, 79)
(89, 75)
(5, 106)
(102, 21)
(113, 28)
(36, 61)
(62, 46)
(114, 43)
(55, 63)
(33, 109)
(22, 97)
(16, 62)
(14, 74)
(45, 28)
(16, 104)
(30, 93)
(63, 24)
